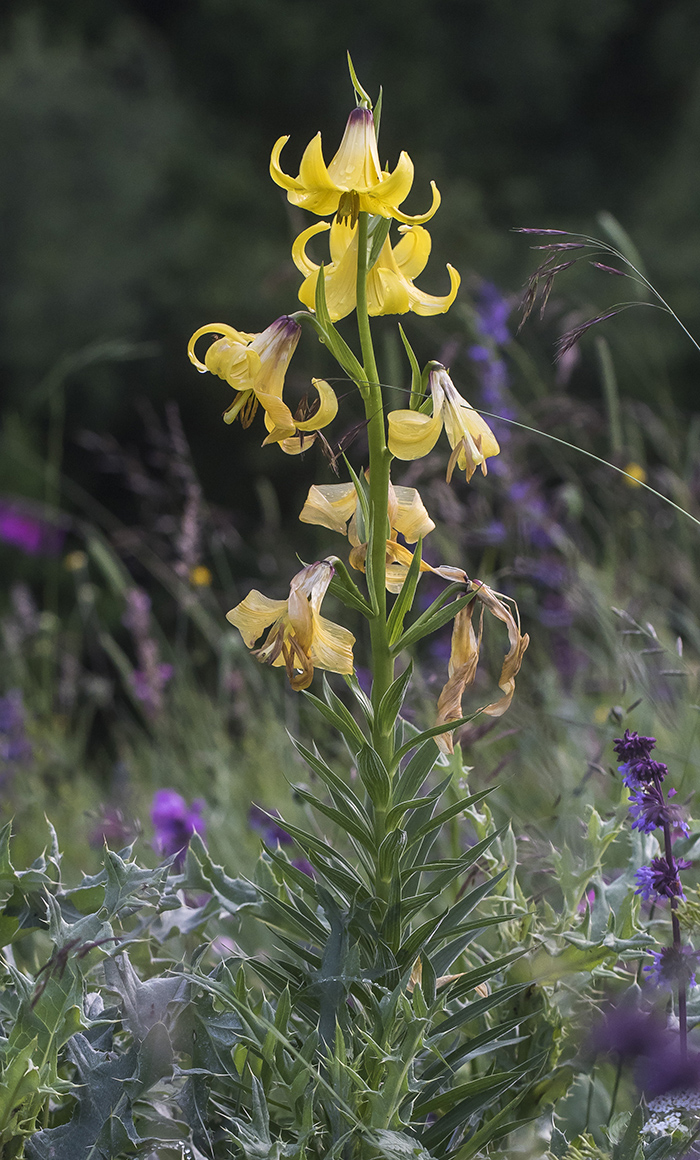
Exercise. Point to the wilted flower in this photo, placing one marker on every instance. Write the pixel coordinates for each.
(299, 637)
(413, 434)
(464, 657)
(175, 822)
(390, 288)
(354, 181)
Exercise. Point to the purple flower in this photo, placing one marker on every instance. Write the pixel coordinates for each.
(492, 311)
(672, 968)
(263, 822)
(15, 746)
(175, 822)
(112, 829)
(304, 865)
(650, 810)
(661, 879)
(34, 536)
(632, 747)
(628, 1031)
(667, 1070)
(148, 687)
(637, 773)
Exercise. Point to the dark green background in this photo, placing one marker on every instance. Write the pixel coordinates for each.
(135, 202)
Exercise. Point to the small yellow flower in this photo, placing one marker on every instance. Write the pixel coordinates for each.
(75, 561)
(254, 365)
(464, 657)
(390, 288)
(299, 637)
(413, 434)
(201, 577)
(637, 473)
(354, 181)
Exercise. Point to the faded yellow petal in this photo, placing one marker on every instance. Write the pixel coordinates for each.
(331, 648)
(464, 658)
(327, 408)
(411, 253)
(254, 614)
(410, 518)
(330, 505)
(411, 434)
(356, 165)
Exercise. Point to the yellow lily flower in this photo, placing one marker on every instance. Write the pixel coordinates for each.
(412, 434)
(254, 365)
(354, 181)
(390, 288)
(464, 657)
(299, 637)
(301, 432)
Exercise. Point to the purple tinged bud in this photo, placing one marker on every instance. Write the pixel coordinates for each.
(632, 747)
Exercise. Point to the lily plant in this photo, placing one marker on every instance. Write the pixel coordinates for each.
(372, 1033)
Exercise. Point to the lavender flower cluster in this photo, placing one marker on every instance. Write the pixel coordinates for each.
(651, 810)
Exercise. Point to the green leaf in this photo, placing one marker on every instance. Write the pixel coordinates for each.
(330, 336)
(434, 732)
(429, 622)
(377, 234)
(361, 697)
(343, 819)
(345, 589)
(200, 873)
(404, 601)
(458, 807)
(374, 775)
(333, 781)
(416, 377)
(415, 773)
(342, 720)
(391, 702)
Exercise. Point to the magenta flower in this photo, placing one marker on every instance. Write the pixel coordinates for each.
(33, 536)
(175, 822)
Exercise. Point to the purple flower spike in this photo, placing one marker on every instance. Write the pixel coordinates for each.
(661, 879)
(672, 967)
(650, 809)
(632, 747)
(175, 822)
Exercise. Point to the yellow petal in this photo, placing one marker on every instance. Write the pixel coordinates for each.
(411, 519)
(383, 195)
(327, 408)
(297, 444)
(411, 434)
(392, 190)
(277, 174)
(332, 646)
(387, 291)
(411, 253)
(254, 614)
(330, 505)
(356, 165)
(429, 304)
(221, 330)
(301, 261)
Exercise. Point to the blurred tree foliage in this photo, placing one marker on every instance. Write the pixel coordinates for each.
(135, 202)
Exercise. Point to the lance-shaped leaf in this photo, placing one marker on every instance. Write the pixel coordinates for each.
(391, 702)
(344, 588)
(404, 601)
(433, 618)
(416, 376)
(332, 338)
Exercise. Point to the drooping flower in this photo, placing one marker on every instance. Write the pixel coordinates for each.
(175, 822)
(413, 434)
(464, 657)
(299, 637)
(253, 364)
(354, 181)
(390, 288)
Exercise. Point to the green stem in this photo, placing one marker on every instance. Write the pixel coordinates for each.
(379, 463)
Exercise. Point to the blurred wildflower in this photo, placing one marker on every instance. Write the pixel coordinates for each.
(75, 561)
(636, 475)
(299, 637)
(390, 288)
(175, 822)
(464, 657)
(660, 879)
(253, 364)
(305, 866)
(353, 182)
(15, 747)
(672, 966)
(264, 823)
(201, 577)
(668, 1070)
(413, 434)
(151, 677)
(25, 531)
(492, 312)
(629, 1031)
(111, 828)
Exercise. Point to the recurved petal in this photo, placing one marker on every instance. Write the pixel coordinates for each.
(518, 644)
(411, 434)
(387, 291)
(419, 218)
(221, 330)
(296, 444)
(412, 251)
(429, 304)
(278, 418)
(253, 615)
(277, 174)
(392, 190)
(464, 658)
(299, 256)
(330, 505)
(313, 173)
(410, 518)
(327, 408)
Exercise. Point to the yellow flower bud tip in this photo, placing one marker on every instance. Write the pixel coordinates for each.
(635, 475)
(75, 561)
(201, 577)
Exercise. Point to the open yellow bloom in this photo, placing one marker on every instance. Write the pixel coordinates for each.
(390, 288)
(299, 637)
(298, 434)
(464, 657)
(253, 364)
(354, 181)
(412, 434)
